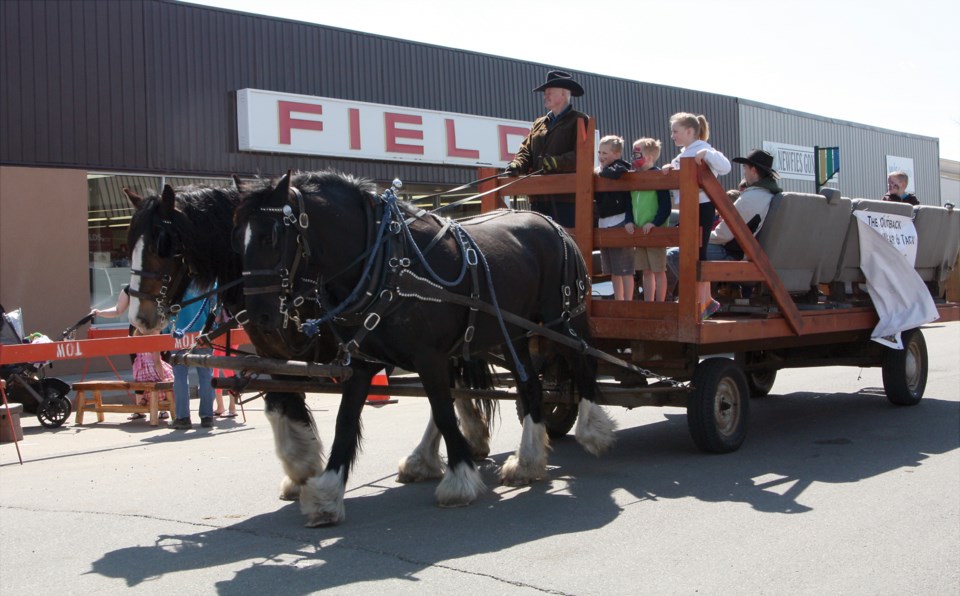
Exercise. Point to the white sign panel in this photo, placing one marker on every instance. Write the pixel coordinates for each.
(903, 164)
(269, 121)
(898, 230)
(792, 161)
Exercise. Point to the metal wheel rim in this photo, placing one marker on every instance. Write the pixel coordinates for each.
(762, 378)
(726, 406)
(54, 410)
(912, 366)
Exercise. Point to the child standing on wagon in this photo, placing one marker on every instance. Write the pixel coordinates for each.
(651, 209)
(690, 132)
(614, 210)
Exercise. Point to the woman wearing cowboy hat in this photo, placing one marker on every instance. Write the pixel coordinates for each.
(752, 205)
(754, 201)
(551, 144)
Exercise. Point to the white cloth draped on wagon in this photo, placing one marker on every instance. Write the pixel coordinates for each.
(888, 249)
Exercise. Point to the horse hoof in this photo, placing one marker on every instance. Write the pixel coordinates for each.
(416, 469)
(517, 473)
(595, 428)
(322, 520)
(289, 490)
(452, 505)
(460, 486)
(321, 500)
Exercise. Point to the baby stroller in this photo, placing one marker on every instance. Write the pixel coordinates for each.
(27, 383)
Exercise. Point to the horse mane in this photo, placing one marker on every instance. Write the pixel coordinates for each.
(328, 183)
(203, 223)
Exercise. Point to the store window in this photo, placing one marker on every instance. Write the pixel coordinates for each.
(108, 221)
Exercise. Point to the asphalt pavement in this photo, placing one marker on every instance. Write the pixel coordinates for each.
(834, 491)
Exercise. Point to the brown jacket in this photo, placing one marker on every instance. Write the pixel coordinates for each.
(559, 142)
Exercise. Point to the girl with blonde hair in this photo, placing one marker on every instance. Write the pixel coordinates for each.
(690, 132)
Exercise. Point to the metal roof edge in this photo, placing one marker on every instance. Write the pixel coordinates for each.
(767, 106)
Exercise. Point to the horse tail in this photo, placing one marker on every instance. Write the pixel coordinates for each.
(477, 416)
(475, 373)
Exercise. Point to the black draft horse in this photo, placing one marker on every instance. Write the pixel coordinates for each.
(378, 270)
(184, 235)
(175, 238)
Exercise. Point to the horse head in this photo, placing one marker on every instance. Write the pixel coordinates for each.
(177, 237)
(293, 233)
(158, 274)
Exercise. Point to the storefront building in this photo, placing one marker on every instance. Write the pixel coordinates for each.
(99, 95)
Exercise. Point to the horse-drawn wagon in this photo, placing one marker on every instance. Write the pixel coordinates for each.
(803, 315)
(334, 273)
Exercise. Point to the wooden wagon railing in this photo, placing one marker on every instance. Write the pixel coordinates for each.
(680, 321)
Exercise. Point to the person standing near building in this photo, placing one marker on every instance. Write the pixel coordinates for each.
(613, 210)
(651, 209)
(146, 366)
(191, 319)
(551, 145)
(690, 132)
(897, 189)
(223, 319)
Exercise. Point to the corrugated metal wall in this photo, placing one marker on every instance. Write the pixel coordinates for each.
(149, 86)
(863, 149)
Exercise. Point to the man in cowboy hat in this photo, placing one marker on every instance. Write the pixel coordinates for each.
(551, 144)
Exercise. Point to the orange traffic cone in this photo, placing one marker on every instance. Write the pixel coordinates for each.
(379, 397)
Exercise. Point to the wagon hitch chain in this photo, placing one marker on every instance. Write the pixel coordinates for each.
(591, 351)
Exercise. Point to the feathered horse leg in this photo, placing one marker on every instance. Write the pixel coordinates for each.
(595, 428)
(529, 463)
(424, 463)
(297, 444)
(321, 498)
(461, 482)
(476, 416)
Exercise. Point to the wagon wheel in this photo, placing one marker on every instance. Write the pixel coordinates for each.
(55, 409)
(557, 417)
(761, 382)
(718, 406)
(905, 371)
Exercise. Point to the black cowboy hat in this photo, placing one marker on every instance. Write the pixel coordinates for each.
(558, 78)
(761, 160)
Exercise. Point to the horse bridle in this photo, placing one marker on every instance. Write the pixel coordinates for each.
(164, 308)
(167, 282)
(381, 227)
(298, 224)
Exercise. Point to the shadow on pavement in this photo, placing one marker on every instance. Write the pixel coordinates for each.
(794, 441)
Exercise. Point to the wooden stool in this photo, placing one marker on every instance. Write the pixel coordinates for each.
(159, 396)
